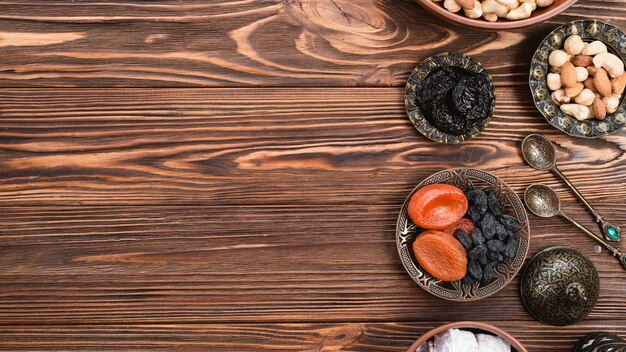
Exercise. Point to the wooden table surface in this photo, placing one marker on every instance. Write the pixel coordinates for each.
(225, 175)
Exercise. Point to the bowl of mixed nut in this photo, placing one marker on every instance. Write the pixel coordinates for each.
(496, 14)
(577, 78)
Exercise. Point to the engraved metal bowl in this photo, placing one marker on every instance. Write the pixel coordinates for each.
(559, 286)
(416, 115)
(406, 232)
(588, 30)
(601, 342)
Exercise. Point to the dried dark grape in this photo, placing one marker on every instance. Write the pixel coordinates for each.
(496, 246)
(478, 200)
(475, 270)
(465, 240)
(495, 207)
(467, 280)
(477, 252)
(477, 237)
(509, 222)
(488, 271)
(504, 235)
(511, 248)
(488, 225)
(495, 256)
(473, 214)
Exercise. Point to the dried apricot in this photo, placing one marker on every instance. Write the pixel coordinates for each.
(437, 206)
(441, 255)
(465, 224)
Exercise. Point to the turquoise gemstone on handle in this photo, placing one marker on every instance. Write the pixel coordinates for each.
(612, 232)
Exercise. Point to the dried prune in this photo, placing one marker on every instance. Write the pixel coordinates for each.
(475, 270)
(477, 237)
(465, 240)
(496, 246)
(436, 86)
(509, 222)
(446, 120)
(511, 248)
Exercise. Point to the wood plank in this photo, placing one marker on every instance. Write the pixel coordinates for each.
(252, 264)
(263, 146)
(391, 336)
(251, 43)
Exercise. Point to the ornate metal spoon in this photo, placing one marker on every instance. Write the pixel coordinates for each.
(543, 201)
(539, 153)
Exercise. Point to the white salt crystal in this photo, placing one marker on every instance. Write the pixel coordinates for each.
(455, 340)
(425, 347)
(490, 343)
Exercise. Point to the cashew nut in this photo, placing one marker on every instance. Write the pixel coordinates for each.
(574, 45)
(510, 4)
(581, 74)
(611, 63)
(586, 97)
(491, 17)
(544, 3)
(557, 58)
(492, 6)
(554, 81)
(452, 6)
(611, 103)
(580, 112)
(533, 3)
(476, 12)
(559, 97)
(594, 48)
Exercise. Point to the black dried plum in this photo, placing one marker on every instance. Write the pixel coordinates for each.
(511, 248)
(465, 240)
(477, 237)
(474, 270)
(496, 246)
(436, 86)
(446, 120)
(509, 222)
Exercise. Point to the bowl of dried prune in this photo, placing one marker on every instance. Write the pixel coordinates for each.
(449, 98)
(462, 234)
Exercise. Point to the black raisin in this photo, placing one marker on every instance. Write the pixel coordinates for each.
(477, 252)
(495, 207)
(473, 214)
(511, 248)
(467, 280)
(465, 240)
(475, 270)
(495, 256)
(488, 225)
(478, 200)
(509, 222)
(477, 237)
(488, 271)
(496, 246)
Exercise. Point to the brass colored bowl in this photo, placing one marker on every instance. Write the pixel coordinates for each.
(406, 232)
(601, 342)
(588, 30)
(416, 115)
(559, 286)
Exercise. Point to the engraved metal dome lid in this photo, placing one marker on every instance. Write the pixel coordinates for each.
(559, 286)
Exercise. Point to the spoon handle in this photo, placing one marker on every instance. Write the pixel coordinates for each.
(619, 255)
(611, 232)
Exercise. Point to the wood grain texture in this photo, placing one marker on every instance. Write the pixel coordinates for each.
(391, 336)
(263, 146)
(251, 43)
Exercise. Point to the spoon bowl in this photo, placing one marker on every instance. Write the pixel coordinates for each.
(542, 200)
(539, 152)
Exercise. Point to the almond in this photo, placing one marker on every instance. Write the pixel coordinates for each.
(568, 75)
(618, 84)
(466, 4)
(588, 83)
(599, 109)
(602, 83)
(574, 90)
(582, 60)
(592, 70)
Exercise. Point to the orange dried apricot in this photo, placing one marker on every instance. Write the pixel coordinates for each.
(435, 207)
(441, 255)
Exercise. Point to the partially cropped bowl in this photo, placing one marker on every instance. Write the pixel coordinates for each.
(474, 327)
(589, 30)
(539, 15)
